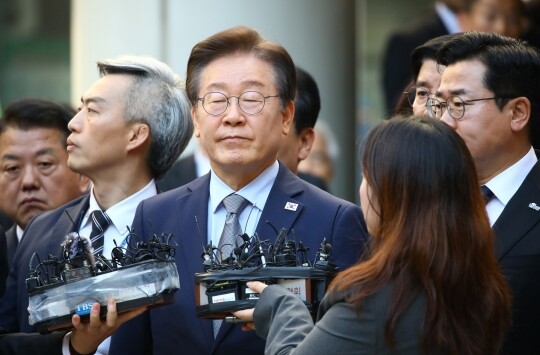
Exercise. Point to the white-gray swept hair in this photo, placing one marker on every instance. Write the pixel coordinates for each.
(158, 99)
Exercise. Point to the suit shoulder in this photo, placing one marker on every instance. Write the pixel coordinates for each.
(315, 194)
(55, 213)
(176, 193)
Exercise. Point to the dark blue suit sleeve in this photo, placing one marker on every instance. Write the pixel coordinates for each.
(19, 343)
(349, 236)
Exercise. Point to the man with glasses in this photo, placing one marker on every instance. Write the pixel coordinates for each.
(427, 74)
(489, 95)
(241, 88)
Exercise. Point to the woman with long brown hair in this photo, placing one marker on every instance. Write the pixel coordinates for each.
(430, 282)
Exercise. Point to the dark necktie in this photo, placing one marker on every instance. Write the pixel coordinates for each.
(234, 204)
(487, 194)
(100, 223)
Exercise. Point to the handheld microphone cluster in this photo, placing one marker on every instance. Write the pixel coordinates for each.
(222, 288)
(143, 273)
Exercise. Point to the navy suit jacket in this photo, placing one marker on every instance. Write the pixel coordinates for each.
(176, 328)
(20, 343)
(43, 235)
(4, 266)
(517, 237)
(8, 247)
(12, 243)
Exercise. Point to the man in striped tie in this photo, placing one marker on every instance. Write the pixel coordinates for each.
(132, 124)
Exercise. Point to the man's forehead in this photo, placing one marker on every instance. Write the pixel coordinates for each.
(461, 78)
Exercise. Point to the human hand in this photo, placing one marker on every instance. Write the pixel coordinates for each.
(86, 337)
(246, 315)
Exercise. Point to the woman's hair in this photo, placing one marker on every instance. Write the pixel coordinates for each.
(433, 238)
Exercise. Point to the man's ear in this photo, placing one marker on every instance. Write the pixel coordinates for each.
(520, 110)
(195, 120)
(139, 134)
(306, 139)
(288, 116)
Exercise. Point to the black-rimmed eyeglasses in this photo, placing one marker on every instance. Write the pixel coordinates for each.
(417, 95)
(250, 102)
(454, 104)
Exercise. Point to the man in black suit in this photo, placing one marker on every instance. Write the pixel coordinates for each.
(132, 124)
(34, 177)
(441, 20)
(489, 95)
(295, 148)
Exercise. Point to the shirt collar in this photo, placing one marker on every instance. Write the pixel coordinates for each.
(448, 18)
(505, 184)
(121, 214)
(254, 192)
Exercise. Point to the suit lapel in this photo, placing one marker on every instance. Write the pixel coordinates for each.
(281, 208)
(68, 221)
(517, 217)
(194, 204)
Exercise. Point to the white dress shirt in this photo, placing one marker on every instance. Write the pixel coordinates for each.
(121, 215)
(448, 18)
(505, 184)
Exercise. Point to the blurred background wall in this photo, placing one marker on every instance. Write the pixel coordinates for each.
(48, 49)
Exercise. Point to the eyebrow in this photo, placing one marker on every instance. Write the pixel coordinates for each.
(40, 152)
(94, 99)
(222, 86)
(423, 84)
(455, 92)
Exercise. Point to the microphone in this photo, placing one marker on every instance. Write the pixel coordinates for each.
(208, 251)
(323, 254)
(303, 254)
(77, 247)
(325, 250)
(279, 241)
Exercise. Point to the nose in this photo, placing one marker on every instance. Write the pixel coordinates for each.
(30, 178)
(446, 118)
(74, 123)
(234, 115)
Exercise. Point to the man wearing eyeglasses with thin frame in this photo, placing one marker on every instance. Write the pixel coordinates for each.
(241, 88)
(489, 95)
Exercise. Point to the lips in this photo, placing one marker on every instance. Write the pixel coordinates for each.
(32, 202)
(70, 144)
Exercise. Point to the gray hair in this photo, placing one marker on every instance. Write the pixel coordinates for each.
(158, 99)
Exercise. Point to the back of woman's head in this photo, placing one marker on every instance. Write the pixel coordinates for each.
(432, 237)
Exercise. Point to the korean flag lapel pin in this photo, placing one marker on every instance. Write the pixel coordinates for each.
(291, 206)
(534, 206)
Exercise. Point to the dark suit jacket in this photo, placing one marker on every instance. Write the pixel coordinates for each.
(4, 266)
(12, 243)
(16, 344)
(397, 70)
(517, 235)
(176, 328)
(43, 235)
(180, 173)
